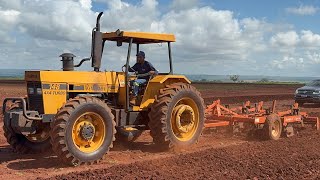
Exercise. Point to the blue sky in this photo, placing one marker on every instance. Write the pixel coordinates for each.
(273, 11)
(246, 37)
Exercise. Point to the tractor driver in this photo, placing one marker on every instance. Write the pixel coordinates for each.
(141, 67)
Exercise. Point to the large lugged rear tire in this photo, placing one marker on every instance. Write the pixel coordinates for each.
(37, 143)
(177, 116)
(83, 131)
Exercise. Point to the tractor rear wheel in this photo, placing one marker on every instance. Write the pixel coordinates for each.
(35, 143)
(177, 116)
(272, 127)
(83, 131)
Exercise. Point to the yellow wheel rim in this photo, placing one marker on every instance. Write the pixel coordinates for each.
(88, 132)
(185, 119)
(275, 129)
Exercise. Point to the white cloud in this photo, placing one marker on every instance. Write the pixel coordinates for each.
(116, 4)
(124, 16)
(288, 61)
(303, 10)
(285, 39)
(314, 57)
(8, 19)
(86, 4)
(295, 53)
(204, 30)
(9, 16)
(288, 41)
(57, 20)
(183, 5)
(309, 39)
(255, 30)
(12, 4)
(207, 38)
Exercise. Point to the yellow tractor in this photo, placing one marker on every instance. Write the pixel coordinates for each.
(80, 113)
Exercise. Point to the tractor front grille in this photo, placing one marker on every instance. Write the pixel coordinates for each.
(35, 101)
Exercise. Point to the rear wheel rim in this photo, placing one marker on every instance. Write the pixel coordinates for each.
(275, 128)
(185, 119)
(88, 132)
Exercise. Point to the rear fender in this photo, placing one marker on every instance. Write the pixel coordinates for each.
(157, 83)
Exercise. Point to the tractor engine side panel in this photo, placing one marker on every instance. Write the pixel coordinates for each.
(56, 86)
(54, 96)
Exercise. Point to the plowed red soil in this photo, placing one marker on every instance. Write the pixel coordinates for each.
(291, 158)
(216, 156)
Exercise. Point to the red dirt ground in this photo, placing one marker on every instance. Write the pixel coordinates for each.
(291, 158)
(216, 156)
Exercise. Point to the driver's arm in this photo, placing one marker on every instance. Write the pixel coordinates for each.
(153, 70)
(133, 68)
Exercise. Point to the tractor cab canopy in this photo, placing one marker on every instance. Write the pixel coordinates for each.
(138, 37)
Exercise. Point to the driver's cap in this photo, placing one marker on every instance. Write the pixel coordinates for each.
(141, 53)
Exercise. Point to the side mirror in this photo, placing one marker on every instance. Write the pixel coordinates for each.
(118, 33)
(119, 43)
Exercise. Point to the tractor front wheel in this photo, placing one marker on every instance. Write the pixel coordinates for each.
(83, 131)
(35, 143)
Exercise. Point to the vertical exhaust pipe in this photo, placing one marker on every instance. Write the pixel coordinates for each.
(97, 45)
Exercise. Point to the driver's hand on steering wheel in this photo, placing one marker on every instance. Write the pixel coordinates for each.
(152, 72)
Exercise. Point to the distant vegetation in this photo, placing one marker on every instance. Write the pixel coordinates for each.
(244, 82)
(261, 81)
(234, 78)
(264, 80)
(11, 78)
(207, 81)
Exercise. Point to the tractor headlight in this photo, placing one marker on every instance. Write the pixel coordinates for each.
(30, 91)
(39, 91)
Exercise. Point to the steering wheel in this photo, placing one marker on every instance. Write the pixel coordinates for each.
(135, 73)
(124, 70)
(143, 75)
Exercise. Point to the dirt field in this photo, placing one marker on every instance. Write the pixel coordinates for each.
(216, 156)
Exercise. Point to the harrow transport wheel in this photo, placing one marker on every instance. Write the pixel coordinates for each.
(130, 134)
(83, 131)
(36, 143)
(177, 116)
(273, 127)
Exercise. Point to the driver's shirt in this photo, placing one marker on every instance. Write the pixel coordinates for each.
(142, 69)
